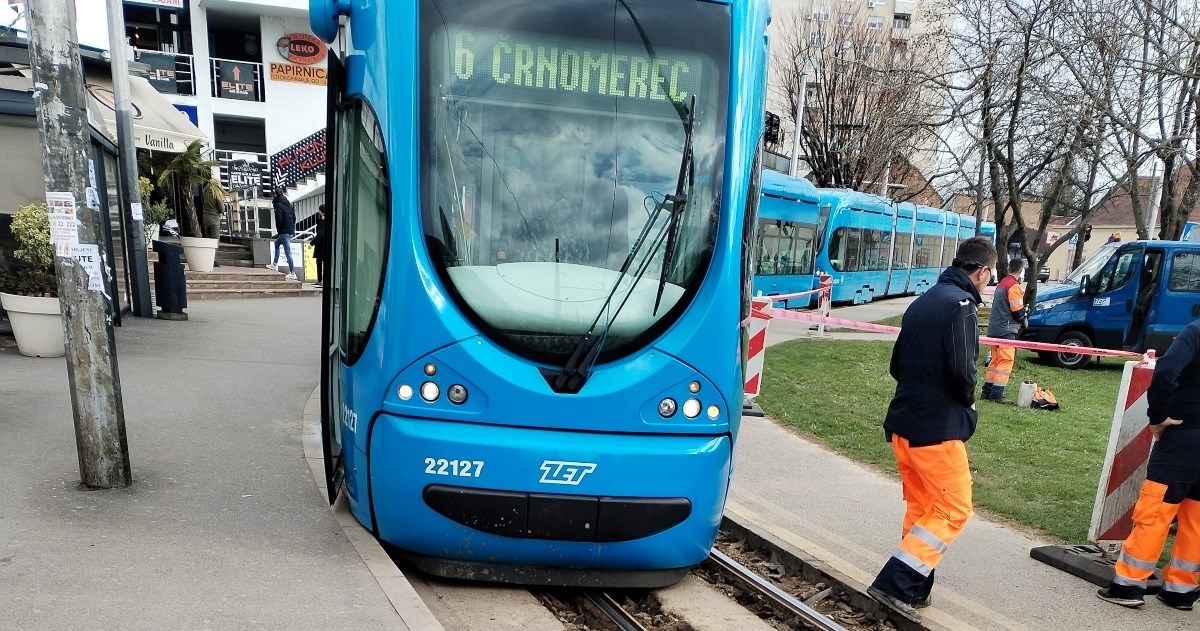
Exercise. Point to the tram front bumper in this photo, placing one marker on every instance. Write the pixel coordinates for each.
(559, 498)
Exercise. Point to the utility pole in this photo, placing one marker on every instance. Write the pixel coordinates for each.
(130, 192)
(794, 166)
(76, 231)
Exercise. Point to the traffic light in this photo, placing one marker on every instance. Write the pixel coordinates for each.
(1087, 232)
(771, 133)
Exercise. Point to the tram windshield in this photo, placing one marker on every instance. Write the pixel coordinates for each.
(551, 133)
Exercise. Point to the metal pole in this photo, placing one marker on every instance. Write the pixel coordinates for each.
(887, 173)
(794, 167)
(1158, 186)
(77, 230)
(130, 192)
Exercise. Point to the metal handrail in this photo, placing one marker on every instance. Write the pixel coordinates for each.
(184, 70)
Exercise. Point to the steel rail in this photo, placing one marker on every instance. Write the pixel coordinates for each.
(617, 614)
(777, 597)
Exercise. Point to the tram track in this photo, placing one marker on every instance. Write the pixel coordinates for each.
(778, 599)
(618, 615)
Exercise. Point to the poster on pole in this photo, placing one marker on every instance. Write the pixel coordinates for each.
(88, 256)
(64, 224)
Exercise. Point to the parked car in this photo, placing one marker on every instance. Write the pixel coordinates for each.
(1044, 274)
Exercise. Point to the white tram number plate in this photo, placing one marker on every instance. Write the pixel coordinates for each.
(459, 468)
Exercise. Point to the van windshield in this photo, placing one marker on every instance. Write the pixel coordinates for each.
(1093, 264)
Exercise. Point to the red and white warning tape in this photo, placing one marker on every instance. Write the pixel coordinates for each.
(782, 297)
(813, 318)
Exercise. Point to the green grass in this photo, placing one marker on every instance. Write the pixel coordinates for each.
(890, 321)
(1037, 468)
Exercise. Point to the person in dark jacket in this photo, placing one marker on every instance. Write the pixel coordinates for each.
(929, 421)
(1172, 486)
(320, 243)
(285, 227)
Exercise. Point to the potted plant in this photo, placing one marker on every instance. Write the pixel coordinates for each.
(190, 170)
(29, 289)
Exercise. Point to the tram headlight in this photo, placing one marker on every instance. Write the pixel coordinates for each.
(691, 408)
(714, 412)
(405, 392)
(430, 369)
(666, 408)
(430, 391)
(457, 394)
(694, 387)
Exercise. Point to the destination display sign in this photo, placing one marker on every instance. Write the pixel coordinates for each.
(480, 59)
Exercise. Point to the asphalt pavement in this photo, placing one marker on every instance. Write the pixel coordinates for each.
(223, 528)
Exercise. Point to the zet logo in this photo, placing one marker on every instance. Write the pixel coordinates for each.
(559, 472)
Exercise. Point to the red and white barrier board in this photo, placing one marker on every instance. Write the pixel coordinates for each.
(760, 317)
(1125, 462)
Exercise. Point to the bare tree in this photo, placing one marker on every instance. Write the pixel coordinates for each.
(866, 101)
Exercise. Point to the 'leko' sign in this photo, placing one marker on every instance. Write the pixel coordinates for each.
(301, 48)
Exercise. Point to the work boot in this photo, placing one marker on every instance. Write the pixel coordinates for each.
(998, 396)
(1182, 602)
(1114, 594)
(924, 602)
(902, 608)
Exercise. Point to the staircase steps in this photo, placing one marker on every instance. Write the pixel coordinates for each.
(237, 280)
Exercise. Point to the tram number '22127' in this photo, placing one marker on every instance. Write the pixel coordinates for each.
(460, 468)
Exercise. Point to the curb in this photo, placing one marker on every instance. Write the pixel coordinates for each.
(413, 612)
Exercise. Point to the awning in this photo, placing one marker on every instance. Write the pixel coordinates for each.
(157, 125)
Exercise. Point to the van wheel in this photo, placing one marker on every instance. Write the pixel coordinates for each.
(1072, 360)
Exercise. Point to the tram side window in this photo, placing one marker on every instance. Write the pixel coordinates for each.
(950, 245)
(837, 250)
(903, 244)
(364, 200)
(853, 250)
(784, 247)
(1185, 272)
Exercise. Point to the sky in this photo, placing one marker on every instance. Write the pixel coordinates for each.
(91, 21)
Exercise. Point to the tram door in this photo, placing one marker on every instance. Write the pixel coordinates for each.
(331, 353)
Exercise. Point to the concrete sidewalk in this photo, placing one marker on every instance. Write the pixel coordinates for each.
(223, 528)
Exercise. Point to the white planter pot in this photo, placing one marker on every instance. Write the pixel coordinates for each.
(201, 253)
(152, 233)
(37, 325)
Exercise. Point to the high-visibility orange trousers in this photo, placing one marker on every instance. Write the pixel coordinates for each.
(1000, 368)
(1171, 490)
(936, 480)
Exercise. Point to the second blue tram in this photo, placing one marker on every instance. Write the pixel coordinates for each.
(791, 226)
(871, 246)
(534, 347)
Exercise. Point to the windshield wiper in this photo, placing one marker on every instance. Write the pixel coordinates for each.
(575, 372)
(678, 203)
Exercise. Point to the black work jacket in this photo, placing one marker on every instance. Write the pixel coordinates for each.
(1175, 387)
(285, 216)
(933, 364)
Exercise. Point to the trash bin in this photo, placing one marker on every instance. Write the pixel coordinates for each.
(170, 285)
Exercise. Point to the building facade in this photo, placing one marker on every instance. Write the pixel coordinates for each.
(252, 77)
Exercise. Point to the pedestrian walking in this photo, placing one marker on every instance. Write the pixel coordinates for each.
(285, 227)
(320, 244)
(1005, 322)
(1172, 486)
(929, 421)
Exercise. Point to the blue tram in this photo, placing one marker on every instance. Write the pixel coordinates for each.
(534, 358)
(791, 226)
(878, 248)
(871, 246)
